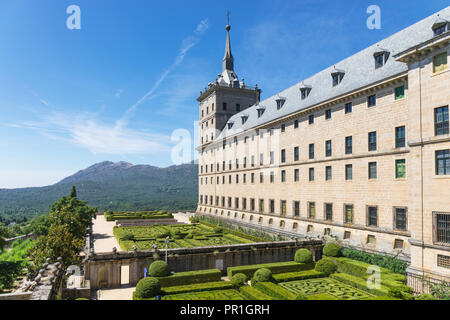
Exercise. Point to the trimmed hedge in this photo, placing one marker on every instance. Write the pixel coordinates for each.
(147, 288)
(275, 291)
(359, 283)
(322, 296)
(388, 262)
(302, 275)
(326, 266)
(261, 275)
(303, 256)
(198, 287)
(277, 267)
(253, 293)
(332, 250)
(236, 233)
(239, 279)
(191, 277)
(158, 269)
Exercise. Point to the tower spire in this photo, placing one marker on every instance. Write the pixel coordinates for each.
(228, 60)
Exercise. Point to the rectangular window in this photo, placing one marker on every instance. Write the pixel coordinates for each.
(328, 211)
(441, 121)
(296, 154)
(296, 208)
(372, 216)
(371, 101)
(311, 151)
(271, 158)
(236, 203)
(311, 119)
(328, 172)
(443, 261)
(311, 174)
(372, 141)
(283, 175)
(443, 162)
(224, 106)
(229, 202)
(237, 179)
(272, 177)
(400, 221)
(238, 107)
(311, 210)
(244, 178)
(296, 124)
(372, 170)
(261, 159)
(348, 213)
(348, 107)
(252, 178)
(237, 163)
(244, 162)
(252, 204)
(283, 128)
(440, 62)
(348, 145)
(441, 227)
(271, 206)
(296, 175)
(244, 203)
(261, 177)
(229, 179)
(328, 114)
(283, 156)
(400, 137)
(328, 148)
(400, 168)
(348, 172)
(253, 161)
(283, 208)
(261, 205)
(399, 93)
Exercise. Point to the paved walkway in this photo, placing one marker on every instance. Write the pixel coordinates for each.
(116, 294)
(182, 217)
(103, 235)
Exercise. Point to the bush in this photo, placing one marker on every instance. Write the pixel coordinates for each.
(388, 262)
(158, 269)
(239, 279)
(294, 276)
(198, 287)
(147, 288)
(128, 236)
(253, 294)
(191, 277)
(262, 275)
(425, 296)
(326, 266)
(400, 294)
(275, 291)
(303, 256)
(276, 267)
(360, 283)
(332, 250)
(218, 229)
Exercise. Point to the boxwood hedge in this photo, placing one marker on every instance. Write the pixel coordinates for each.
(301, 275)
(277, 267)
(191, 277)
(198, 287)
(252, 293)
(275, 291)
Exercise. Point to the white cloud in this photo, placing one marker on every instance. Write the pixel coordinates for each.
(118, 93)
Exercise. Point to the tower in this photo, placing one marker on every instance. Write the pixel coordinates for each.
(223, 98)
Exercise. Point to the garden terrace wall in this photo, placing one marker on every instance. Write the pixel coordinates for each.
(104, 269)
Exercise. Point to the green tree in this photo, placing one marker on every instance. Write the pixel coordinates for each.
(39, 225)
(3, 235)
(73, 193)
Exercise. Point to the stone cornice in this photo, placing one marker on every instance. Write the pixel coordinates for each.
(421, 50)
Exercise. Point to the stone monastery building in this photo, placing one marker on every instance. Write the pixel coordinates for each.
(359, 151)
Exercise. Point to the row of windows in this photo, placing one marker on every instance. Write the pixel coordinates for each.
(400, 218)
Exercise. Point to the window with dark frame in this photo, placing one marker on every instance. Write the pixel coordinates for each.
(441, 228)
(296, 208)
(311, 119)
(311, 174)
(372, 141)
(348, 213)
(348, 107)
(348, 172)
(328, 173)
(271, 206)
(283, 175)
(296, 175)
(379, 60)
(440, 62)
(400, 168)
(296, 154)
(441, 121)
(328, 114)
(400, 219)
(283, 155)
(372, 100)
(311, 210)
(399, 92)
(372, 216)
(372, 170)
(224, 106)
(440, 29)
(328, 149)
(443, 162)
(311, 151)
(329, 211)
(400, 137)
(296, 124)
(348, 145)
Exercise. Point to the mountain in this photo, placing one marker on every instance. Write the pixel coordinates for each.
(108, 185)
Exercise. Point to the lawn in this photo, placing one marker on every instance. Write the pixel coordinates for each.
(181, 236)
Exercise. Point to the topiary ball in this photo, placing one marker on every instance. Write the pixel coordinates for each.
(303, 256)
(262, 275)
(158, 269)
(238, 280)
(147, 288)
(326, 266)
(425, 296)
(332, 250)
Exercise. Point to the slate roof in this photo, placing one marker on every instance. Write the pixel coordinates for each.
(359, 72)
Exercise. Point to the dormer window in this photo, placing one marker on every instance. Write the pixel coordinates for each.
(260, 111)
(244, 118)
(380, 58)
(304, 91)
(280, 102)
(440, 26)
(230, 125)
(337, 76)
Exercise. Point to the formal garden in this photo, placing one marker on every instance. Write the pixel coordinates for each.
(334, 277)
(180, 236)
(113, 216)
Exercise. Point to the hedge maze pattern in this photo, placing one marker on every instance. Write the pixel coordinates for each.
(325, 285)
(230, 294)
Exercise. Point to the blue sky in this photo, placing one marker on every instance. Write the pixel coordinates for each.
(117, 88)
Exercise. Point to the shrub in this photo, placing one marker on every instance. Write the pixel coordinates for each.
(147, 288)
(388, 262)
(253, 294)
(360, 283)
(128, 236)
(276, 267)
(425, 296)
(275, 291)
(332, 250)
(294, 276)
(326, 266)
(198, 287)
(218, 229)
(262, 275)
(239, 279)
(303, 256)
(191, 277)
(158, 269)
(301, 296)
